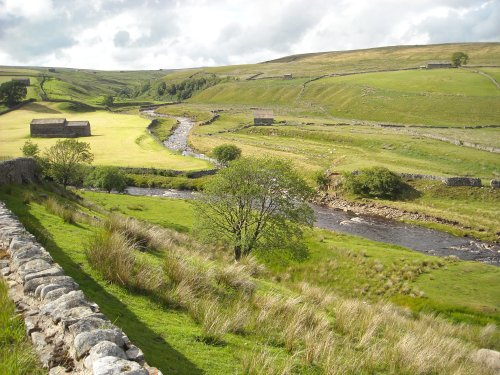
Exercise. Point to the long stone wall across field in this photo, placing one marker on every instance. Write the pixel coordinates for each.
(18, 171)
(68, 331)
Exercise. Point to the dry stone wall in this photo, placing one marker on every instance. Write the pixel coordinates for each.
(68, 331)
(18, 171)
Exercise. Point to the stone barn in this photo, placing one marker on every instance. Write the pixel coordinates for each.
(59, 128)
(24, 81)
(288, 76)
(438, 64)
(263, 117)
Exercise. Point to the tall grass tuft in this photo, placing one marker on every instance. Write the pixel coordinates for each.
(66, 213)
(111, 253)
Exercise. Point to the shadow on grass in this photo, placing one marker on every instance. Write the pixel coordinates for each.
(157, 351)
(35, 107)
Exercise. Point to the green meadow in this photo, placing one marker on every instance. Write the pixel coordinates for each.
(117, 139)
(338, 265)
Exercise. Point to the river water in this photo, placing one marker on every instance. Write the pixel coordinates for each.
(178, 141)
(424, 240)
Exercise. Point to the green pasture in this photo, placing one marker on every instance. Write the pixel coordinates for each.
(332, 265)
(447, 97)
(117, 139)
(346, 148)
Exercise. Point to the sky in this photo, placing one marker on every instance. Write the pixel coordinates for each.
(154, 34)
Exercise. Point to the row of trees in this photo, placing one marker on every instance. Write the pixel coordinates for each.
(185, 89)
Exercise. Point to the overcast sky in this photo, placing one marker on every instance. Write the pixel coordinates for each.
(153, 34)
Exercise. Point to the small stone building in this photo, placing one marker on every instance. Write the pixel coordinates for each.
(438, 64)
(24, 81)
(263, 117)
(287, 76)
(59, 128)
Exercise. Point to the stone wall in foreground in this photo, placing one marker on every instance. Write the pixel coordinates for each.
(68, 331)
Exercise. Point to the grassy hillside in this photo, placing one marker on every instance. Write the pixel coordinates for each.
(436, 97)
(275, 319)
(117, 139)
(395, 57)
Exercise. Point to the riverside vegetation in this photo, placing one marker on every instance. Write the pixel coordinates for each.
(348, 305)
(191, 309)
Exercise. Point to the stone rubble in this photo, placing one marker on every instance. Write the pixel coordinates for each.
(68, 331)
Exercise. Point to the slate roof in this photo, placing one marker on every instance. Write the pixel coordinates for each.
(48, 121)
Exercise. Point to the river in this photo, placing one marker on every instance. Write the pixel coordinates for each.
(424, 240)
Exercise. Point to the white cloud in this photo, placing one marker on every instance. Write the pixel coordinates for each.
(129, 34)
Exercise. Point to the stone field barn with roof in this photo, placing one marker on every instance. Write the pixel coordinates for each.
(59, 128)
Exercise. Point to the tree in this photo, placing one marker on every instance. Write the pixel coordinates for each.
(459, 59)
(30, 149)
(108, 100)
(375, 182)
(226, 153)
(65, 161)
(255, 203)
(107, 178)
(12, 92)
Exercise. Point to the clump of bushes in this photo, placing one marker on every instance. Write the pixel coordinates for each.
(226, 153)
(375, 182)
(107, 178)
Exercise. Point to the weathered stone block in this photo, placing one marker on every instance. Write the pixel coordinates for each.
(33, 266)
(30, 286)
(115, 365)
(135, 354)
(89, 323)
(495, 184)
(53, 271)
(104, 349)
(86, 340)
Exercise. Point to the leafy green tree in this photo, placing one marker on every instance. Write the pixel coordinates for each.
(12, 92)
(30, 149)
(459, 59)
(322, 180)
(255, 203)
(107, 178)
(108, 100)
(375, 182)
(226, 153)
(66, 160)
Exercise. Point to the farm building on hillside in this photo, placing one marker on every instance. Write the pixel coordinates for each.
(24, 81)
(438, 64)
(59, 128)
(288, 76)
(263, 117)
